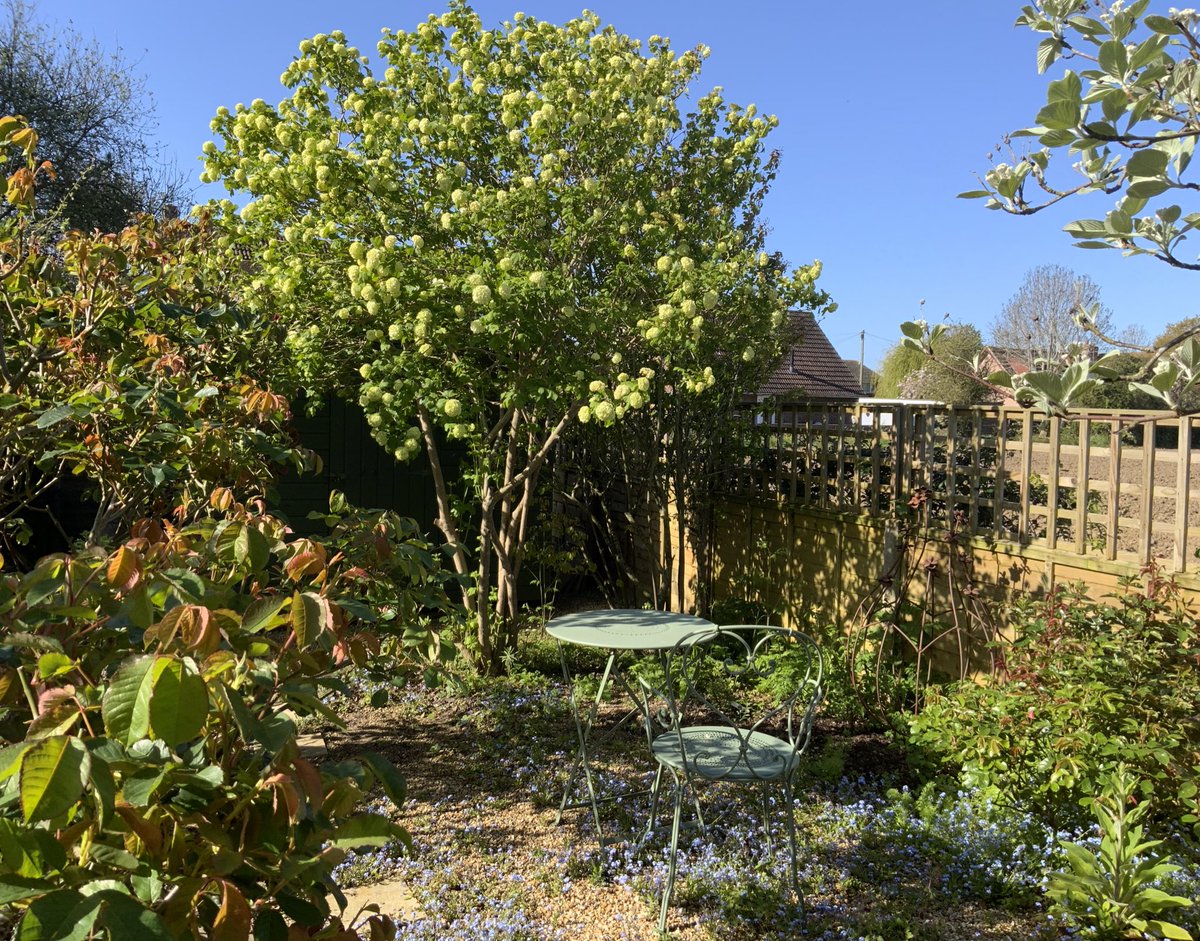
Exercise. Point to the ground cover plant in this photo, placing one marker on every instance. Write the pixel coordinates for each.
(1087, 685)
(883, 857)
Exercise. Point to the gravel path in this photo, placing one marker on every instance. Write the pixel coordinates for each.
(484, 775)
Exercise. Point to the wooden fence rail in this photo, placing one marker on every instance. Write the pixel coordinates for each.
(1115, 486)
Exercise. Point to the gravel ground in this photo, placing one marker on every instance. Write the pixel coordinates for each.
(484, 775)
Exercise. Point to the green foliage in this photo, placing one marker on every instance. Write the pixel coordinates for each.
(943, 373)
(1111, 889)
(1127, 123)
(516, 230)
(1085, 686)
(1171, 377)
(120, 364)
(400, 588)
(152, 785)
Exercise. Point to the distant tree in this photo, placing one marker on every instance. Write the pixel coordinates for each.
(94, 118)
(1039, 321)
(1173, 331)
(909, 373)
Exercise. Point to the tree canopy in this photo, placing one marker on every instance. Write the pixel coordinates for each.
(1127, 122)
(94, 118)
(911, 373)
(1039, 320)
(508, 231)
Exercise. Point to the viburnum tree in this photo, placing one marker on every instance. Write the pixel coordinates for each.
(505, 232)
(1128, 120)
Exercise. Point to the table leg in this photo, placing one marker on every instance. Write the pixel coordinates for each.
(583, 731)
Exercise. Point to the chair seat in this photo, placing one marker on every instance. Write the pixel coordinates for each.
(718, 752)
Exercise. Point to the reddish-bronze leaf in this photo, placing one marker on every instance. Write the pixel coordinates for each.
(234, 919)
(310, 781)
(124, 569)
(149, 833)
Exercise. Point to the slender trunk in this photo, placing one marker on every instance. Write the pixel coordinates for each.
(488, 654)
(680, 509)
(445, 518)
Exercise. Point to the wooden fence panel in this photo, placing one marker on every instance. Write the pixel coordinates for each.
(1104, 485)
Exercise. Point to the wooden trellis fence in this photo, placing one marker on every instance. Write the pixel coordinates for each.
(1110, 486)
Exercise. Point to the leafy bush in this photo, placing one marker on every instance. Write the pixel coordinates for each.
(122, 365)
(1085, 686)
(1112, 889)
(152, 786)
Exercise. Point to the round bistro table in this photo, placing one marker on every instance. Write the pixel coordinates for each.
(620, 631)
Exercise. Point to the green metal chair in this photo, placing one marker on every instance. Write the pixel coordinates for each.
(710, 729)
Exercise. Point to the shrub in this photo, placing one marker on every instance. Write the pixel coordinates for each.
(152, 786)
(1085, 686)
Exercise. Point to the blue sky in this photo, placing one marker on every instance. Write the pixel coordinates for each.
(886, 111)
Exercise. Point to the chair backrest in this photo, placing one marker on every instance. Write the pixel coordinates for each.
(747, 679)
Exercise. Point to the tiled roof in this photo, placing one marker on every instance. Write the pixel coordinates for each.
(870, 378)
(1006, 358)
(812, 368)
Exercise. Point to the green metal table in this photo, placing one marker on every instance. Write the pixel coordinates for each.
(620, 631)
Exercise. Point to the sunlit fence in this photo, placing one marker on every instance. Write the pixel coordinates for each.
(1107, 485)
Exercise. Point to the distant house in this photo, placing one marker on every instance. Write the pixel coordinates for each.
(812, 368)
(1003, 359)
(868, 377)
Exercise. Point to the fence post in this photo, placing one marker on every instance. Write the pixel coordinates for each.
(1183, 483)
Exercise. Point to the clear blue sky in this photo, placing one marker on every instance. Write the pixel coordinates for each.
(886, 110)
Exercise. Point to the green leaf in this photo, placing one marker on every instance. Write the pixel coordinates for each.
(138, 789)
(1146, 163)
(51, 665)
(59, 916)
(130, 691)
(365, 830)
(188, 586)
(114, 856)
(1161, 24)
(178, 706)
(263, 614)
(53, 774)
(1068, 88)
(310, 617)
(275, 732)
(974, 194)
(10, 759)
(1114, 58)
(270, 926)
(1168, 930)
(31, 852)
(1047, 52)
(1168, 214)
(52, 416)
(1147, 189)
(251, 548)
(17, 888)
(1060, 115)
(1118, 223)
(126, 918)
(389, 778)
